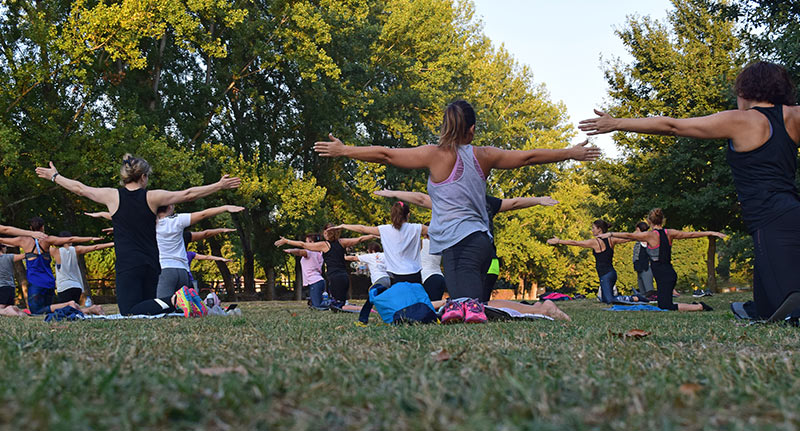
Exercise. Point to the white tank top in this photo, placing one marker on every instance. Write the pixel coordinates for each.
(68, 274)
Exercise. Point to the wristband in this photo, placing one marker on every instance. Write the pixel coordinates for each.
(53, 178)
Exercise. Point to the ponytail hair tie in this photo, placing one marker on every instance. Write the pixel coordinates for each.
(127, 161)
(401, 203)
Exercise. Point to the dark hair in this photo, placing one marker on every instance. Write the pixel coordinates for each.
(133, 169)
(187, 237)
(656, 217)
(335, 234)
(3, 247)
(65, 234)
(374, 247)
(458, 118)
(602, 225)
(643, 227)
(37, 223)
(766, 82)
(313, 235)
(400, 212)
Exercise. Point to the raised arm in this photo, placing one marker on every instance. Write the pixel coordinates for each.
(351, 258)
(520, 203)
(100, 214)
(496, 158)
(349, 242)
(588, 243)
(367, 230)
(407, 158)
(209, 257)
(83, 249)
(61, 240)
(19, 257)
(416, 198)
(211, 212)
(15, 241)
(299, 252)
(208, 233)
(678, 234)
(102, 195)
(158, 198)
(632, 236)
(321, 246)
(12, 231)
(726, 124)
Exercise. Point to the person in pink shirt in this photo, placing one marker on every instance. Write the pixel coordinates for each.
(311, 264)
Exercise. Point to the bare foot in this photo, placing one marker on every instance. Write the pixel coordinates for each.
(552, 310)
(94, 309)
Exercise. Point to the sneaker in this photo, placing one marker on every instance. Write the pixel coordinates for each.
(474, 312)
(453, 312)
(699, 293)
(709, 292)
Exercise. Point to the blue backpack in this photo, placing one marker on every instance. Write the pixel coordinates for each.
(403, 303)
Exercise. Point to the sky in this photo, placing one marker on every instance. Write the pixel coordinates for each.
(562, 42)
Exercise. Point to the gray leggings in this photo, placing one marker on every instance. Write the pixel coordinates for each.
(171, 280)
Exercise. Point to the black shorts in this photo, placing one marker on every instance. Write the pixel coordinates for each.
(7, 295)
(71, 294)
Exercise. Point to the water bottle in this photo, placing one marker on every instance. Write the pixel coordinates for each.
(88, 301)
(325, 300)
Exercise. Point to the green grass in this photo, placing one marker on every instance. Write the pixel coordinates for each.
(316, 370)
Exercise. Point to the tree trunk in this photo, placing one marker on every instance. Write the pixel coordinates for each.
(298, 279)
(711, 264)
(248, 269)
(155, 101)
(225, 272)
(269, 295)
(19, 274)
(87, 292)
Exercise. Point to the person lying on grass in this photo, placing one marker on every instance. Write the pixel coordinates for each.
(546, 308)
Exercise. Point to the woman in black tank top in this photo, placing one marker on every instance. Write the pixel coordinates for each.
(133, 214)
(603, 250)
(333, 252)
(762, 152)
(659, 248)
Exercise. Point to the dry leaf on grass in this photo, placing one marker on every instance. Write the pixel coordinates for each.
(633, 333)
(690, 389)
(441, 355)
(218, 371)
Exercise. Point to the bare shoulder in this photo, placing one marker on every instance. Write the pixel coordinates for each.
(791, 117)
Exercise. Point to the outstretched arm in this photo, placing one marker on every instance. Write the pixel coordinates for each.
(158, 198)
(101, 195)
(12, 231)
(351, 258)
(208, 233)
(678, 234)
(588, 243)
(512, 159)
(716, 126)
(349, 242)
(211, 212)
(407, 158)
(61, 240)
(367, 230)
(19, 257)
(100, 214)
(208, 257)
(321, 246)
(299, 252)
(631, 236)
(520, 203)
(83, 249)
(416, 198)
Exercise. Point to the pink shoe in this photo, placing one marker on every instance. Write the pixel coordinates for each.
(473, 312)
(453, 312)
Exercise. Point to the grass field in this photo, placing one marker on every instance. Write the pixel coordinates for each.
(281, 366)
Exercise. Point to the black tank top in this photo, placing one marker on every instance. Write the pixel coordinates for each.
(603, 260)
(334, 259)
(664, 248)
(134, 231)
(765, 177)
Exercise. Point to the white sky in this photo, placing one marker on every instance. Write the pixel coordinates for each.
(563, 41)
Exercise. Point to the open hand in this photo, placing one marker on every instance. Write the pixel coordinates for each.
(604, 123)
(228, 182)
(332, 148)
(281, 242)
(233, 208)
(47, 173)
(547, 201)
(584, 153)
(552, 241)
(384, 193)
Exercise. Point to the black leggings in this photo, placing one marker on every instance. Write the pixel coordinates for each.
(434, 286)
(465, 265)
(777, 251)
(151, 307)
(136, 285)
(408, 278)
(488, 287)
(338, 285)
(71, 294)
(666, 278)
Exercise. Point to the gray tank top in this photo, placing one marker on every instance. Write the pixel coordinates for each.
(68, 274)
(6, 270)
(459, 203)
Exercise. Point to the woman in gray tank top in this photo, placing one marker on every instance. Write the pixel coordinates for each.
(457, 187)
